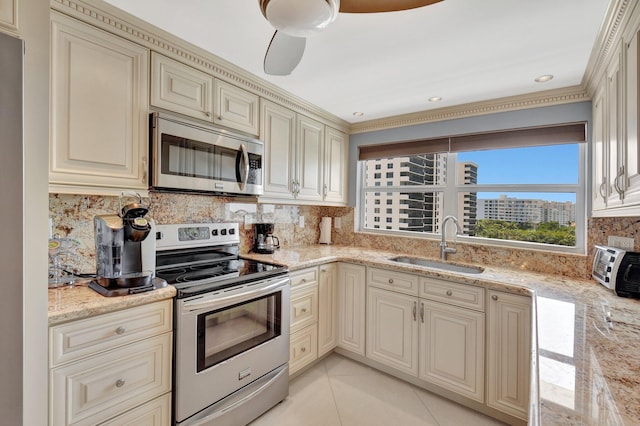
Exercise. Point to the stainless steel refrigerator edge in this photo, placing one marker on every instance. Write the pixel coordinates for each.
(11, 309)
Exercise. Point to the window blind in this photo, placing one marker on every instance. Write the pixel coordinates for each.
(512, 138)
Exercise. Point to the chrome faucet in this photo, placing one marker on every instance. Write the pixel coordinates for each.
(443, 243)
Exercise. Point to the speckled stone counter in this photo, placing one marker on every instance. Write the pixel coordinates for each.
(589, 366)
(79, 301)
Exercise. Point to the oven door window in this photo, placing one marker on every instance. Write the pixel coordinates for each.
(186, 157)
(227, 332)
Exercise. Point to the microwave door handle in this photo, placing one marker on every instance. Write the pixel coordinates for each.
(627, 271)
(245, 163)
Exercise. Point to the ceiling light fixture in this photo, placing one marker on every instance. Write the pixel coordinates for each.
(358, 114)
(435, 99)
(544, 78)
(300, 18)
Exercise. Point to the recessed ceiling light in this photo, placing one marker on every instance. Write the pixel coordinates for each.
(358, 114)
(435, 99)
(544, 78)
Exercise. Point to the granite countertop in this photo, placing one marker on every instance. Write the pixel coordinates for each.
(589, 369)
(79, 301)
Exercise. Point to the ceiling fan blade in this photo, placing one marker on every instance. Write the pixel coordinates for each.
(283, 54)
(373, 6)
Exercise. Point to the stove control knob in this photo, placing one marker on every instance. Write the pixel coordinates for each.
(214, 232)
(223, 232)
(232, 231)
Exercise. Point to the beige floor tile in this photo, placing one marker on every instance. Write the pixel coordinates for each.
(378, 400)
(448, 413)
(337, 365)
(310, 403)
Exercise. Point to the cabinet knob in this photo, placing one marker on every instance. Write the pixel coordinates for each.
(304, 280)
(119, 383)
(303, 310)
(449, 293)
(494, 297)
(120, 330)
(390, 280)
(207, 113)
(303, 349)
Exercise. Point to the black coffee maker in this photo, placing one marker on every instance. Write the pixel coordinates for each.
(263, 239)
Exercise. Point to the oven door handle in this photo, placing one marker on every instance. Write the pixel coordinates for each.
(215, 301)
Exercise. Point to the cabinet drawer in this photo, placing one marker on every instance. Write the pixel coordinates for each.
(104, 332)
(153, 413)
(393, 280)
(304, 276)
(303, 348)
(304, 307)
(100, 387)
(464, 295)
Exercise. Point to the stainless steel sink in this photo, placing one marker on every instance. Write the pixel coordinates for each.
(439, 265)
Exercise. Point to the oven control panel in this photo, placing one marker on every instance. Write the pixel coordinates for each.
(186, 235)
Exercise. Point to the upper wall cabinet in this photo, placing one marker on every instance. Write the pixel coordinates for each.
(99, 110)
(180, 88)
(9, 14)
(616, 157)
(305, 161)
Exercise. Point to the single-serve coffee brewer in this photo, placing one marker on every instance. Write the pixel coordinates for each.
(125, 251)
(263, 239)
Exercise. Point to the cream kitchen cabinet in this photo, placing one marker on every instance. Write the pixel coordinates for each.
(113, 368)
(616, 157)
(351, 307)
(303, 346)
(180, 88)
(305, 161)
(9, 14)
(392, 329)
(327, 308)
(508, 353)
(99, 110)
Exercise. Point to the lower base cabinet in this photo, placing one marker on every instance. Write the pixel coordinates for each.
(508, 353)
(112, 369)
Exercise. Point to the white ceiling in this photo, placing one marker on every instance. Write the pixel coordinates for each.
(388, 64)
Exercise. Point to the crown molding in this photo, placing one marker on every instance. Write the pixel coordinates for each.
(111, 19)
(532, 100)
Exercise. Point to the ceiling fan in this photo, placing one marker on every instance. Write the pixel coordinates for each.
(294, 20)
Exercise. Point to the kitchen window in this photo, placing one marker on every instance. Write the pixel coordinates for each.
(523, 187)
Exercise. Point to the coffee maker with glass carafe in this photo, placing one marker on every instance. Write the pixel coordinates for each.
(263, 239)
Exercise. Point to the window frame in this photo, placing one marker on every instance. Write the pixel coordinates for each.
(451, 189)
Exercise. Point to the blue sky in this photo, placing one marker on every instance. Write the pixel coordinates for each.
(554, 164)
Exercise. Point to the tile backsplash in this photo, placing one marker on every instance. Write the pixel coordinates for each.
(72, 217)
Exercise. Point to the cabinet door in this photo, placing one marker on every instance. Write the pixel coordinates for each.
(336, 166)
(614, 132)
(310, 157)
(509, 353)
(452, 348)
(278, 131)
(9, 14)
(351, 307)
(153, 413)
(235, 108)
(180, 88)
(392, 329)
(99, 107)
(327, 308)
(631, 152)
(600, 188)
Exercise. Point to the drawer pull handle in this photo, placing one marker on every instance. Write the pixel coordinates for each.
(119, 383)
(494, 297)
(303, 310)
(303, 349)
(390, 280)
(304, 280)
(120, 330)
(449, 293)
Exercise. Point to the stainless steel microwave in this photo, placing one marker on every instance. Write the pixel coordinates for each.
(189, 156)
(618, 270)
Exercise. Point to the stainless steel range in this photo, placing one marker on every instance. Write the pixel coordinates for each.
(231, 325)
